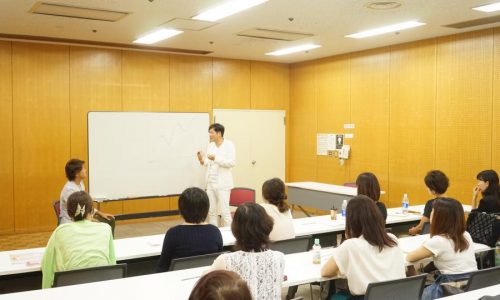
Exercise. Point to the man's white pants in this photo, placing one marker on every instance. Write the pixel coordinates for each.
(219, 201)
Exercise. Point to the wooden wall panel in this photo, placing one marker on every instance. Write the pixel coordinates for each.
(146, 81)
(412, 120)
(146, 87)
(463, 112)
(6, 154)
(333, 111)
(95, 85)
(370, 114)
(303, 122)
(270, 86)
(41, 131)
(190, 84)
(231, 84)
(495, 150)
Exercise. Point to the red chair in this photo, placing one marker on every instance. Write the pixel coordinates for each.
(57, 209)
(240, 196)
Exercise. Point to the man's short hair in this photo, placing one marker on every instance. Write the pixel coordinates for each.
(217, 128)
(73, 167)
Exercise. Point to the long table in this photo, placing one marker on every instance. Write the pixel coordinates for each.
(318, 195)
(299, 269)
(20, 269)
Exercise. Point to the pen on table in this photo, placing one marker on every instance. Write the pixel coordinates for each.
(189, 278)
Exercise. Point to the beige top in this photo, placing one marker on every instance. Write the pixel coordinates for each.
(283, 223)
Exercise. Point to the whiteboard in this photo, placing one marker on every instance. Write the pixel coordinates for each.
(145, 154)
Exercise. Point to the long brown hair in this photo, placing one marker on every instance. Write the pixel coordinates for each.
(448, 220)
(221, 285)
(273, 190)
(364, 218)
(368, 185)
(251, 227)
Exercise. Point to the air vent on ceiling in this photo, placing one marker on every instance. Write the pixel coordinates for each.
(271, 34)
(64, 10)
(476, 22)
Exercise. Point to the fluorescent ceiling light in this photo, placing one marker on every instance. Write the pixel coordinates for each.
(385, 29)
(489, 7)
(158, 35)
(293, 49)
(227, 9)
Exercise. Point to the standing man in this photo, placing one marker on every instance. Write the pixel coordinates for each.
(76, 174)
(219, 160)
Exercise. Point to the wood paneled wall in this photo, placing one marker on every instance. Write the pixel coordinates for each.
(46, 92)
(432, 104)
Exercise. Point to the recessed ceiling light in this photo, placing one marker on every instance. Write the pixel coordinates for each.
(385, 29)
(383, 5)
(489, 7)
(158, 35)
(293, 49)
(227, 9)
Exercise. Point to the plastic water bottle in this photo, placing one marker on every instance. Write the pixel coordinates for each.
(316, 252)
(344, 208)
(405, 204)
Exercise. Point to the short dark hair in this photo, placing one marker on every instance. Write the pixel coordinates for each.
(251, 227)
(217, 128)
(273, 190)
(221, 285)
(79, 198)
(368, 185)
(437, 181)
(364, 218)
(448, 220)
(73, 167)
(493, 188)
(194, 204)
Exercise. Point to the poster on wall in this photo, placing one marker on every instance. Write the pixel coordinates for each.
(325, 143)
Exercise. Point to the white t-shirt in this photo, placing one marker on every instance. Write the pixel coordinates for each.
(69, 188)
(446, 260)
(262, 271)
(283, 223)
(362, 263)
(219, 175)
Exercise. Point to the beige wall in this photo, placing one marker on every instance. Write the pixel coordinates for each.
(47, 90)
(417, 106)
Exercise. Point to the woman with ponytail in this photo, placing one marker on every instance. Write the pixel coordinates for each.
(273, 192)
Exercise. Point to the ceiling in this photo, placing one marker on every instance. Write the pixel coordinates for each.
(327, 20)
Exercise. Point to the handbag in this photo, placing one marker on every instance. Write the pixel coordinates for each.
(483, 228)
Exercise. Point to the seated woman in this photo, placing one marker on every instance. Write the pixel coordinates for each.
(369, 253)
(260, 267)
(273, 192)
(450, 246)
(487, 184)
(437, 183)
(80, 244)
(220, 285)
(368, 185)
(195, 236)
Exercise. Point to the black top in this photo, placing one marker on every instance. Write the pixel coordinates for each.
(382, 208)
(428, 208)
(489, 204)
(189, 240)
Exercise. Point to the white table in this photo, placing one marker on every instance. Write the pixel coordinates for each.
(318, 195)
(493, 290)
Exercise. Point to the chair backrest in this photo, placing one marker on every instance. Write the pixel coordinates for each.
(87, 275)
(299, 244)
(57, 209)
(483, 228)
(483, 278)
(193, 261)
(405, 288)
(240, 195)
(427, 228)
(350, 184)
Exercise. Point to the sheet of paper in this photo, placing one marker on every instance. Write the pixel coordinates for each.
(28, 259)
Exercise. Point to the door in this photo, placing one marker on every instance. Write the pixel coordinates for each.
(259, 139)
